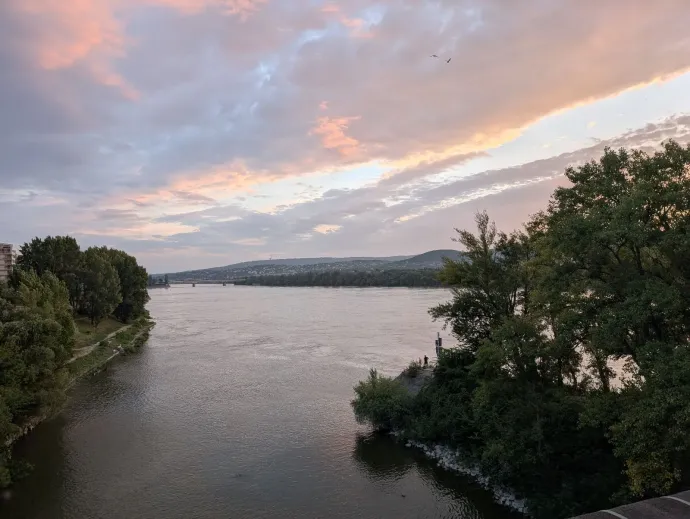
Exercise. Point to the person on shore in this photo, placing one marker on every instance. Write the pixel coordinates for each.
(426, 361)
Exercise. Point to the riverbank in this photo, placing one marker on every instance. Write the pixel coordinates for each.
(127, 339)
(447, 457)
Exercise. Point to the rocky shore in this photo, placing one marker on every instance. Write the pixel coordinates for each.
(451, 459)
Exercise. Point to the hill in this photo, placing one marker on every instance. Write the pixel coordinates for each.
(288, 266)
(431, 259)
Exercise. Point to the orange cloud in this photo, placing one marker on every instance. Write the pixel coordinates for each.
(356, 25)
(332, 133)
(64, 33)
(241, 8)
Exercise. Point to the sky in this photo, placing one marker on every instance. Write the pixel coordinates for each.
(199, 133)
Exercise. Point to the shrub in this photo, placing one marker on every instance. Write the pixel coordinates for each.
(413, 369)
(381, 401)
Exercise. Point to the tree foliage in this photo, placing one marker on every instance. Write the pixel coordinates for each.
(54, 280)
(60, 255)
(36, 340)
(133, 280)
(102, 292)
(545, 320)
(350, 278)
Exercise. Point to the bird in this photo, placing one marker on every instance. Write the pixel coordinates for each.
(403, 495)
(433, 56)
(449, 60)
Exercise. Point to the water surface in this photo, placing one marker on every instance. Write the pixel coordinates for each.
(238, 407)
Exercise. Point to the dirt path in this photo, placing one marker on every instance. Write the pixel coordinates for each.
(88, 349)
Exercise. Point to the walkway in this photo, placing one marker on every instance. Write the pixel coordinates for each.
(669, 507)
(88, 349)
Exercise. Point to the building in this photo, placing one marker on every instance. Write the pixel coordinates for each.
(7, 258)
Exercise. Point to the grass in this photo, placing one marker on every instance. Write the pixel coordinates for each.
(86, 335)
(130, 340)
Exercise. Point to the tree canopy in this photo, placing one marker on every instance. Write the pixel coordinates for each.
(54, 281)
(350, 278)
(570, 381)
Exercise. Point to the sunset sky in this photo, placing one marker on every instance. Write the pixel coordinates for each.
(198, 133)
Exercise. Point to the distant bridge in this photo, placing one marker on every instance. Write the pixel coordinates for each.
(210, 282)
(676, 506)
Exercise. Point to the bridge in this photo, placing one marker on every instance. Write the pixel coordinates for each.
(676, 506)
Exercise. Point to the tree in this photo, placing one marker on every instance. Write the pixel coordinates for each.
(133, 280)
(60, 255)
(381, 402)
(618, 240)
(101, 284)
(36, 340)
(488, 284)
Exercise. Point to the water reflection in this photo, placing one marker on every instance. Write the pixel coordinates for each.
(381, 457)
(45, 446)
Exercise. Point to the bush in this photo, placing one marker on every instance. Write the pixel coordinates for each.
(413, 369)
(382, 402)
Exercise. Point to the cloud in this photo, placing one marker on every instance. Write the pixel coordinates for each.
(326, 228)
(333, 137)
(157, 107)
(193, 197)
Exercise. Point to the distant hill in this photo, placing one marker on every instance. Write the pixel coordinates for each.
(277, 267)
(431, 259)
(304, 261)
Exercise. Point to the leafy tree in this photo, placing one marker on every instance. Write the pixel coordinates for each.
(381, 402)
(541, 316)
(60, 255)
(101, 284)
(488, 284)
(133, 280)
(36, 340)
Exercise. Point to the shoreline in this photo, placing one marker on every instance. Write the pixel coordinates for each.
(130, 346)
(452, 459)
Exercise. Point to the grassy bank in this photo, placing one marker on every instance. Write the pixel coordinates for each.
(126, 341)
(86, 335)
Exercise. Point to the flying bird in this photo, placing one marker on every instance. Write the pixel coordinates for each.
(433, 56)
(449, 60)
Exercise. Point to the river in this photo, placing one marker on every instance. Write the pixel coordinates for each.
(238, 407)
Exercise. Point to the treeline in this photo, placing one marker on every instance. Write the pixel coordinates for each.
(343, 278)
(600, 280)
(54, 281)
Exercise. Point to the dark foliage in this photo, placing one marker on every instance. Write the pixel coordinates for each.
(598, 281)
(344, 278)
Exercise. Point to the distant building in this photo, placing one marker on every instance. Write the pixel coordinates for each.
(8, 257)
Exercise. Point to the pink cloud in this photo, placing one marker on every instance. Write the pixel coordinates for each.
(333, 137)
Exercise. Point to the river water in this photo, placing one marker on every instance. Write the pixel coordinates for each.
(238, 407)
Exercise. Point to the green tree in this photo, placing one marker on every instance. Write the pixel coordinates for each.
(618, 240)
(133, 280)
(488, 284)
(101, 284)
(36, 340)
(381, 402)
(60, 255)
